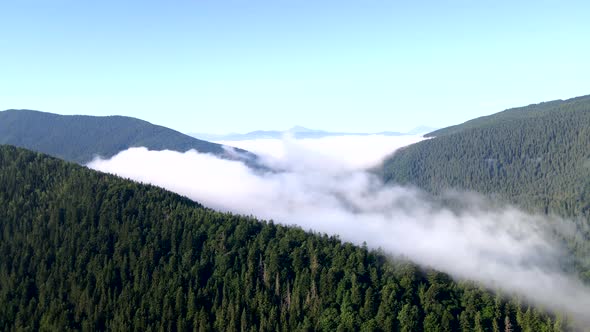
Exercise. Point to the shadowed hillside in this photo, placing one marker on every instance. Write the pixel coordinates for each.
(80, 138)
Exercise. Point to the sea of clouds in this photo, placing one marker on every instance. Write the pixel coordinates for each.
(324, 185)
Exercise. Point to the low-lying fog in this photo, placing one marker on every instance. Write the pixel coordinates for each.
(323, 184)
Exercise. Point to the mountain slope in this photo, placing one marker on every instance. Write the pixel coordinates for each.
(517, 114)
(86, 250)
(537, 157)
(80, 138)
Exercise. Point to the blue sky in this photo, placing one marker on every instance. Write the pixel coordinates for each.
(235, 66)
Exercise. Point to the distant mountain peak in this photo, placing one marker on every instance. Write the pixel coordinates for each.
(301, 129)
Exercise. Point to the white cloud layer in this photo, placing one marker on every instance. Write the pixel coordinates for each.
(322, 185)
(336, 152)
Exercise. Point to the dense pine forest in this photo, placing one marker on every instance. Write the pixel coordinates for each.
(79, 138)
(537, 157)
(82, 250)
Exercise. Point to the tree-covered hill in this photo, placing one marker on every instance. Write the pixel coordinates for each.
(82, 250)
(536, 156)
(519, 113)
(80, 138)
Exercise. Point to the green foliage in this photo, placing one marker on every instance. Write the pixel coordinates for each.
(82, 250)
(537, 157)
(80, 138)
(514, 114)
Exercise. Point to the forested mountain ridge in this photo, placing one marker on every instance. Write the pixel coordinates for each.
(80, 138)
(518, 113)
(90, 251)
(537, 157)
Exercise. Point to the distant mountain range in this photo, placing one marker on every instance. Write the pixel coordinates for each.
(79, 138)
(300, 132)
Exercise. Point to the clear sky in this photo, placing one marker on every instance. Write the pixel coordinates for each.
(234, 66)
